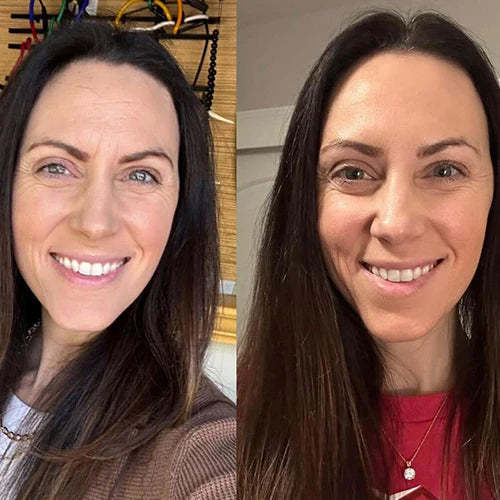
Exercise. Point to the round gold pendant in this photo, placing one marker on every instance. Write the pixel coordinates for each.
(409, 473)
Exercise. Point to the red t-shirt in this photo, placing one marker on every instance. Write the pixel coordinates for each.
(415, 414)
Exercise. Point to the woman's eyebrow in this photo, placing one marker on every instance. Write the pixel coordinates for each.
(376, 152)
(437, 147)
(362, 147)
(83, 156)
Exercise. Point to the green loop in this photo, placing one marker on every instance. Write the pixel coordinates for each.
(51, 26)
(61, 11)
(58, 18)
(150, 4)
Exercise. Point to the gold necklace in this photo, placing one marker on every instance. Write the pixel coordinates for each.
(14, 436)
(409, 472)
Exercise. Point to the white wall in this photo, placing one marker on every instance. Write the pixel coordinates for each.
(256, 171)
(259, 140)
(276, 51)
(220, 366)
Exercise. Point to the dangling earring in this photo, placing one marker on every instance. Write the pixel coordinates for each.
(464, 319)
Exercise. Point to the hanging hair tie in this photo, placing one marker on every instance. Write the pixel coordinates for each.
(158, 3)
(25, 46)
(32, 20)
(82, 10)
(45, 20)
(74, 7)
(59, 16)
(179, 17)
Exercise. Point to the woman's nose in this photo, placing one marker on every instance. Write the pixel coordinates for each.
(399, 211)
(95, 213)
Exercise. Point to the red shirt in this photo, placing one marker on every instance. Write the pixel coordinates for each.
(415, 415)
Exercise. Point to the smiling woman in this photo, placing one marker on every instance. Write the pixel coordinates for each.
(90, 196)
(110, 258)
(401, 214)
(374, 323)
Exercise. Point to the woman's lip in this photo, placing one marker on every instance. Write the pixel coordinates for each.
(402, 288)
(87, 281)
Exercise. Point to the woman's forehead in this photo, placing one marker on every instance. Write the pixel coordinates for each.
(100, 99)
(406, 95)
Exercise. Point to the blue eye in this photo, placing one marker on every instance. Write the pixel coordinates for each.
(447, 166)
(54, 169)
(144, 177)
(141, 176)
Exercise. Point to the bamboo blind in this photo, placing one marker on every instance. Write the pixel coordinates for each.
(188, 53)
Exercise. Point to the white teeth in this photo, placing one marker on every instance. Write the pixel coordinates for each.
(96, 269)
(396, 275)
(393, 275)
(406, 275)
(86, 268)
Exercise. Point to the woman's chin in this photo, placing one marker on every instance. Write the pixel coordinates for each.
(399, 333)
(393, 338)
(83, 321)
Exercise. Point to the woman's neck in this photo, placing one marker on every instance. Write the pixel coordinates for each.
(422, 366)
(50, 350)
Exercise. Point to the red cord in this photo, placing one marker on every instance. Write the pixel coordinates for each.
(24, 46)
(33, 30)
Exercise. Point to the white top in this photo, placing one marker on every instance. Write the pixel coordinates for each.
(15, 411)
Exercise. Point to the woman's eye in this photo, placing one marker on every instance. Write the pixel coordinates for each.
(143, 177)
(349, 175)
(445, 171)
(54, 169)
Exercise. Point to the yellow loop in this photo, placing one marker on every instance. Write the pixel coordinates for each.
(179, 16)
(155, 2)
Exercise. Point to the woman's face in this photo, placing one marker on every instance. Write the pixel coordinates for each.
(405, 179)
(96, 185)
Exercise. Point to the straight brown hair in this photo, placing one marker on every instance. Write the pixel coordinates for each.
(310, 374)
(139, 376)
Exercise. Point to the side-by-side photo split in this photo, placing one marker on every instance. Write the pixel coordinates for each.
(249, 250)
(368, 339)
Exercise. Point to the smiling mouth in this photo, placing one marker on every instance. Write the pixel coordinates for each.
(397, 276)
(88, 269)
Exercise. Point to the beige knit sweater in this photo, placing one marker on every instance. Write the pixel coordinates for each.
(195, 461)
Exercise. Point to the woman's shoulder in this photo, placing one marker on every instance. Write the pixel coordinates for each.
(200, 454)
(204, 460)
(210, 404)
(195, 460)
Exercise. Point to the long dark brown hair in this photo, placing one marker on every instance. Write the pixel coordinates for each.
(310, 374)
(139, 376)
